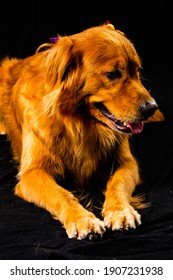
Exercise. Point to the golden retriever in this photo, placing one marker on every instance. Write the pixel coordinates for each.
(66, 110)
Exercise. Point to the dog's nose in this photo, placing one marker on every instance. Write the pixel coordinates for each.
(147, 109)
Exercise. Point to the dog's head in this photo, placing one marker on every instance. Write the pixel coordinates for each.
(98, 71)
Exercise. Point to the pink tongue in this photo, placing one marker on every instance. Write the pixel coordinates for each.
(136, 127)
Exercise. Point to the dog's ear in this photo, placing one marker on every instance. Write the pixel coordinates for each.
(57, 59)
(62, 62)
(64, 74)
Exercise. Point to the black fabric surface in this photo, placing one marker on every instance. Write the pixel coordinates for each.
(28, 232)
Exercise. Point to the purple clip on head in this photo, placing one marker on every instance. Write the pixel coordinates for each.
(53, 40)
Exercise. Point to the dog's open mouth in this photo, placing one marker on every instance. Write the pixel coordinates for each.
(123, 126)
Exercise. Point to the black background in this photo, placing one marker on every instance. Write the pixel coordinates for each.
(27, 232)
(24, 25)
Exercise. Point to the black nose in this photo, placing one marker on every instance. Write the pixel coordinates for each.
(147, 109)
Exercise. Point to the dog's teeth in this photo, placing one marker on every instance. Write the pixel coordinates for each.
(124, 123)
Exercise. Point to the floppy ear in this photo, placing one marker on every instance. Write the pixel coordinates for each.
(57, 59)
(62, 61)
(64, 74)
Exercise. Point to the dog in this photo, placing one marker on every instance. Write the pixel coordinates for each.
(66, 109)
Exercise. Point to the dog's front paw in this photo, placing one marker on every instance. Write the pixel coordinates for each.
(87, 226)
(117, 219)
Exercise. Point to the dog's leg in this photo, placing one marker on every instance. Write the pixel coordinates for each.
(40, 188)
(117, 211)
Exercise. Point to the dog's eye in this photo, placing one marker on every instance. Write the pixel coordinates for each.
(114, 75)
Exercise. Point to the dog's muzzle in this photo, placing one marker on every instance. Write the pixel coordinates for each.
(146, 110)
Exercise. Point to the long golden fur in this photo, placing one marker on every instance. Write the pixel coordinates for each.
(65, 110)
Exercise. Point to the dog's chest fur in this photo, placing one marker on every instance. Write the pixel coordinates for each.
(86, 158)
